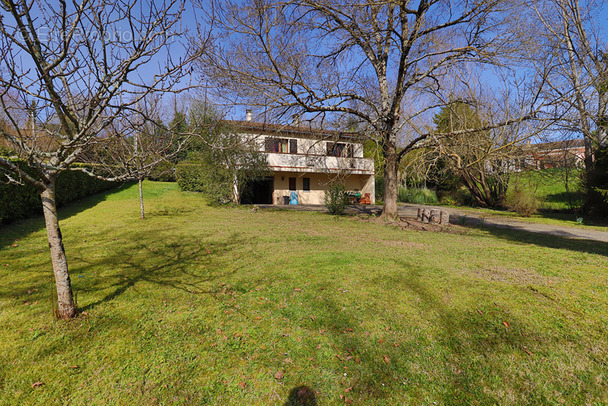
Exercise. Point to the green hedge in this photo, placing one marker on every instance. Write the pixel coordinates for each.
(21, 201)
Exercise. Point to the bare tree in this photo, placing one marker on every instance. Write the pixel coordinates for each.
(483, 160)
(135, 147)
(381, 62)
(572, 44)
(83, 64)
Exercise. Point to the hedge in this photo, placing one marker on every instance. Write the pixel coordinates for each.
(21, 201)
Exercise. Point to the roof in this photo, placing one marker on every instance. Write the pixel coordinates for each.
(557, 145)
(295, 131)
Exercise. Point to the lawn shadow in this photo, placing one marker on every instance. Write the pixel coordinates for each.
(545, 240)
(18, 229)
(301, 396)
(176, 264)
(378, 367)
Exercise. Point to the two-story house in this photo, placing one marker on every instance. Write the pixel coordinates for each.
(306, 161)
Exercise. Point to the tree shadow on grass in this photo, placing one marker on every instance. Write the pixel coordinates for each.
(185, 264)
(18, 229)
(546, 240)
(448, 361)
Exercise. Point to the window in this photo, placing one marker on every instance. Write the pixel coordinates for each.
(292, 183)
(306, 184)
(339, 149)
(293, 146)
(276, 145)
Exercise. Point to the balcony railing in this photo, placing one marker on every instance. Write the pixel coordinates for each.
(319, 163)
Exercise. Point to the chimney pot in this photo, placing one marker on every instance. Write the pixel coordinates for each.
(248, 115)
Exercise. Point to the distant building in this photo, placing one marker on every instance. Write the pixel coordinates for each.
(304, 161)
(558, 154)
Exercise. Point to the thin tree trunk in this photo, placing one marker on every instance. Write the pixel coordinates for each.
(389, 211)
(65, 298)
(141, 199)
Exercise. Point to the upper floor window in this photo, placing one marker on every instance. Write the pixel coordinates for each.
(281, 145)
(340, 149)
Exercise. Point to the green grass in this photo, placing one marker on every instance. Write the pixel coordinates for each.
(549, 186)
(201, 305)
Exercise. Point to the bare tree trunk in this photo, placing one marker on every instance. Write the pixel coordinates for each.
(65, 298)
(141, 199)
(389, 211)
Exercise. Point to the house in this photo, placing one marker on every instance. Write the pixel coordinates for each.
(558, 154)
(305, 162)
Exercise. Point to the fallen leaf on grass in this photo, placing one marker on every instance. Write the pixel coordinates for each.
(242, 385)
(387, 359)
(297, 289)
(506, 324)
(37, 384)
(279, 375)
(74, 366)
(528, 352)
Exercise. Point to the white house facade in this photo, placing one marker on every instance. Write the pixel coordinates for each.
(305, 162)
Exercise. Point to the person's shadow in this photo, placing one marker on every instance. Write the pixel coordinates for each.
(301, 396)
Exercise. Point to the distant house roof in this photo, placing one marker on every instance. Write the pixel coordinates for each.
(557, 145)
(295, 131)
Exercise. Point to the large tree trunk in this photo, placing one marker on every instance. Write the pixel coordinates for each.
(389, 211)
(65, 298)
(141, 199)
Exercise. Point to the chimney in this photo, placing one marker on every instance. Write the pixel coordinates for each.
(248, 115)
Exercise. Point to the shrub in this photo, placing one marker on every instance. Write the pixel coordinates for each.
(21, 201)
(163, 172)
(522, 201)
(336, 199)
(459, 197)
(417, 196)
(190, 176)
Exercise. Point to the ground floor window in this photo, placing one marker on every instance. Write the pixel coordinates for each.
(292, 183)
(306, 184)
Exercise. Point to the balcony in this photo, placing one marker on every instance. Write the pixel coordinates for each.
(319, 163)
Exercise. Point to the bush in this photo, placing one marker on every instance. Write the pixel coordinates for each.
(417, 196)
(163, 172)
(198, 176)
(190, 177)
(21, 201)
(522, 201)
(336, 199)
(459, 197)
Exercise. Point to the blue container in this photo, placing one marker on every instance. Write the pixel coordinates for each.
(293, 198)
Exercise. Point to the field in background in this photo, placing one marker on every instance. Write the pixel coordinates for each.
(203, 305)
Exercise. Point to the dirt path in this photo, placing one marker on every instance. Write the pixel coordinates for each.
(464, 217)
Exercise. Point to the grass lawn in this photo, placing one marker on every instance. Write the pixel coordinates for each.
(223, 306)
(549, 186)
